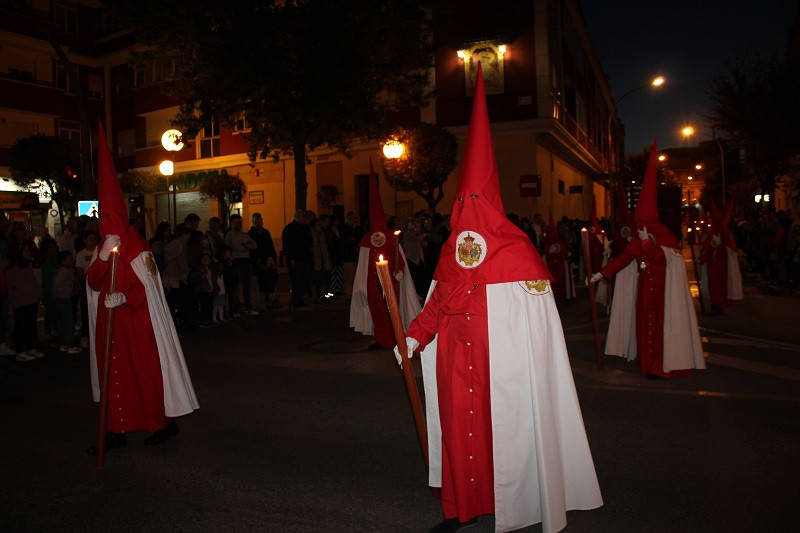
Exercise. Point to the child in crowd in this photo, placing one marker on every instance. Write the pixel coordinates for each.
(63, 289)
(271, 281)
(218, 311)
(24, 292)
(230, 278)
(83, 259)
(49, 267)
(202, 280)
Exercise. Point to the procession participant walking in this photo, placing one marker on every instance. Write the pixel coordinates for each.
(368, 312)
(666, 331)
(557, 258)
(151, 384)
(721, 279)
(506, 436)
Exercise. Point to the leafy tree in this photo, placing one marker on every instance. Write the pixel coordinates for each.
(224, 188)
(755, 102)
(50, 162)
(427, 161)
(302, 73)
(138, 182)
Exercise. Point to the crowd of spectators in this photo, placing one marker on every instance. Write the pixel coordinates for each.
(770, 245)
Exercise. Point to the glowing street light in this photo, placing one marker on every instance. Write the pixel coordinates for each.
(688, 131)
(172, 141)
(393, 149)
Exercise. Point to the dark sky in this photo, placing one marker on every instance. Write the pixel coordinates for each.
(686, 42)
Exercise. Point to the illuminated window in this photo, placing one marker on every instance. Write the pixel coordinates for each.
(209, 141)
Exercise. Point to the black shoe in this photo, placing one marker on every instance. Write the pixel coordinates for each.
(163, 435)
(113, 440)
(653, 376)
(452, 524)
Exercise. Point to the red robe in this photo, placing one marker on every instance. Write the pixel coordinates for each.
(458, 314)
(652, 266)
(716, 260)
(136, 390)
(381, 321)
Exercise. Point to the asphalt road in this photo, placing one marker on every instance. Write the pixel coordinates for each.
(302, 429)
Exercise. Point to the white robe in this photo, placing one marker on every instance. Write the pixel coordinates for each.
(621, 338)
(735, 291)
(407, 300)
(542, 462)
(179, 396)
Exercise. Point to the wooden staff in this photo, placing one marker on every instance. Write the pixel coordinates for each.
(408, 373)
(101, 426)
(697, 276)
(598, 351)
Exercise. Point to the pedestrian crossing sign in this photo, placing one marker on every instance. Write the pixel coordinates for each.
(88, 208)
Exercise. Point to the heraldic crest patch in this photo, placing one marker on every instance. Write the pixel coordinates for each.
(536, 287)
(470, 249)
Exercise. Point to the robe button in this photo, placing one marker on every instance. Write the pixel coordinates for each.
(468, 344)
(470, 390)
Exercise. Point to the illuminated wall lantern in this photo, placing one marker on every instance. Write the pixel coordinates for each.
(167, 168)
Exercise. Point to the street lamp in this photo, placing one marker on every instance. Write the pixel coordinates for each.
(688, 131)
(393, 149)
(172, 141)
(658, 81)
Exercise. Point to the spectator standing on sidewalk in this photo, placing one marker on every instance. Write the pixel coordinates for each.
(297, 245)
(176, 275)
(160, 238)
(321, 273)
(213, 239)
(264, 249)
(82, 261)
(24, 292)
(242, 244)
(5, 349)
(63, 289)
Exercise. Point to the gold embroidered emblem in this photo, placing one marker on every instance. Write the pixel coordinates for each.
(377, 239)
(539, 285)
(150, 265)
(469, 251)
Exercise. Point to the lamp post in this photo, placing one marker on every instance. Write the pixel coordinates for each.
(688, 131)
(658, 81)
(172, 141)
(393, 149)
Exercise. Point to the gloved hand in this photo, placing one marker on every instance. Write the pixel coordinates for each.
(643, 234)
(412, 344)
(115, 299)
(597, 276)
(399, 275)
(112, 241)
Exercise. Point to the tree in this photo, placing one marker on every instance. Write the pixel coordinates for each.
(755, 103)
(224, 188)
(427, 161)
(49, 162)
(300, 73)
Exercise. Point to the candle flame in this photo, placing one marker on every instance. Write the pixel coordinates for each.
(380, 257)
(583, 229)
(397, 232)
(114, 250)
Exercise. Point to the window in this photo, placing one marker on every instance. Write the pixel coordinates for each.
(126, 142)
(62, 79)
(241, 125)
(67, 129)
(21, 75)
(66, 16)
(95, 86)
(154, 72)
(209, 142)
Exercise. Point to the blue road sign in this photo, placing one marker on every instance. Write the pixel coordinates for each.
(89, 208)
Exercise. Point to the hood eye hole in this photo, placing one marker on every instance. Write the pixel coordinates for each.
(460, 198)
(473, 196)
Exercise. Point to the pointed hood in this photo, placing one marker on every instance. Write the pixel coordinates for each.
(484, 246)
(111, 206)
(647, 208)
(552, 235)
(379, 239)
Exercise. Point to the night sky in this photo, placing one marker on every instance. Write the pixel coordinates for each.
(686, 42)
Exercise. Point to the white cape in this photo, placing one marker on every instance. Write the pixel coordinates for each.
(621, 338)
(407, 300)
(542, 462)
(682, 346)
(179, 396)
(735, 291)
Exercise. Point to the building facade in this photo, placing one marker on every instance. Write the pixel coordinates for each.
(549, 103)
